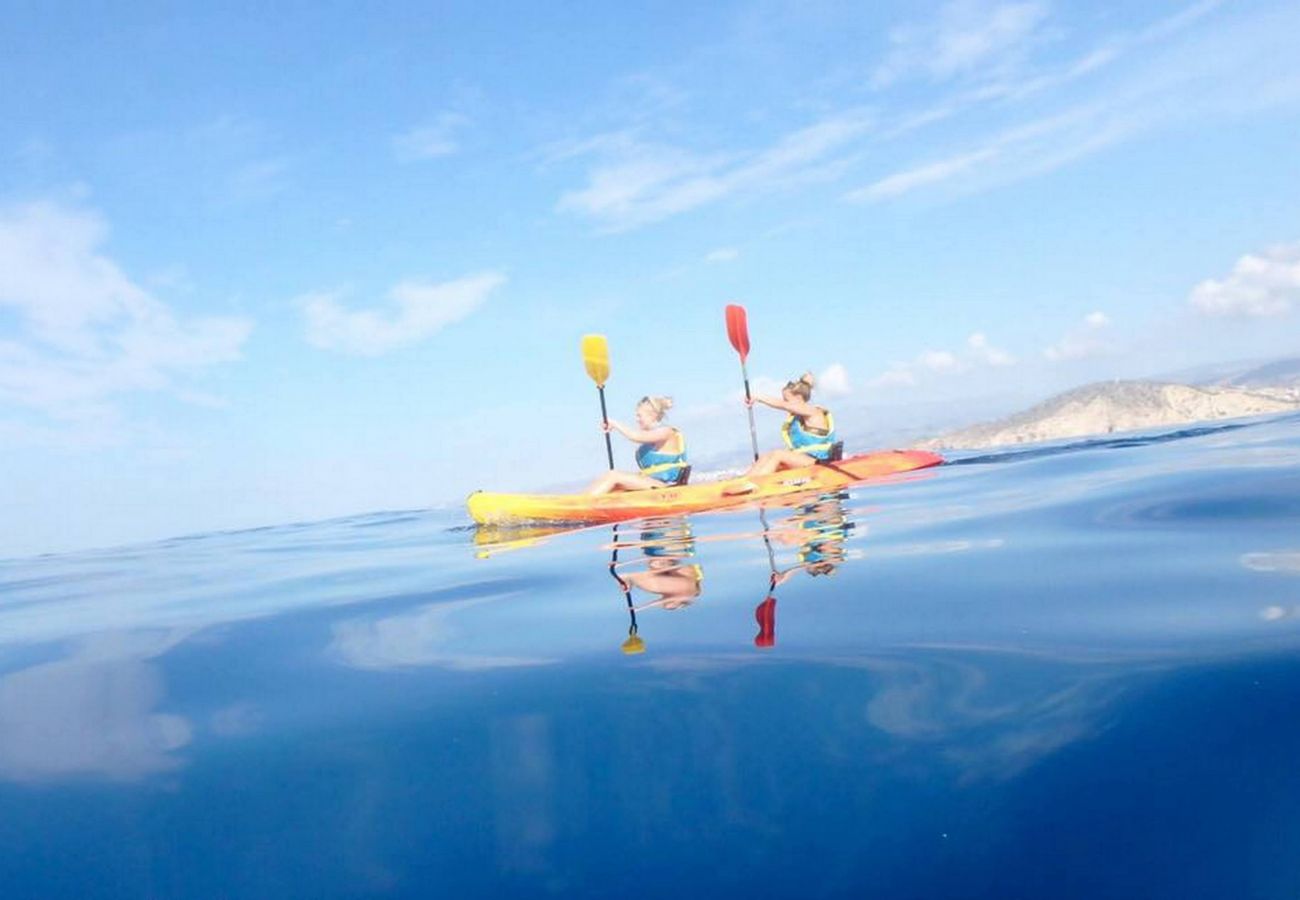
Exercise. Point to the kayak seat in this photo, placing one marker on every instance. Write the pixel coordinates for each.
(836, 454)
(683, 477)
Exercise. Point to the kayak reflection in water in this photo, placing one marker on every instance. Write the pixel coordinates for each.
(819, 529)
(668, 545)
(809, 432)
(660, 456)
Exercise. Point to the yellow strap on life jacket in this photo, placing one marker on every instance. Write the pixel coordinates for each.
(664, 467)
(826, 445)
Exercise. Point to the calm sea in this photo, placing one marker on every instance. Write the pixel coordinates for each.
(1064, 672)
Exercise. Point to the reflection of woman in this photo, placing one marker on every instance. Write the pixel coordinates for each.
(676, 584)
(668, 545)
(821, 528)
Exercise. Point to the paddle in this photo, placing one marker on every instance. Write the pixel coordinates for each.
(634, 643)
(738, 334)
(595, 357)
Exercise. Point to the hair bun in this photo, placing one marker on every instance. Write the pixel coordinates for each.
(659, 405)
(807, 378)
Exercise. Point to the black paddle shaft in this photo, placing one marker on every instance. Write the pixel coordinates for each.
(749, 407)
(609, 445)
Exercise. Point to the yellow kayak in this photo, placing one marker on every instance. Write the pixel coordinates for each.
(505, 509)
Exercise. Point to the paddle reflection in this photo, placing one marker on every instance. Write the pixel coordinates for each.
(663, 567)
(656, 563)
(818, 529)
(660, 558)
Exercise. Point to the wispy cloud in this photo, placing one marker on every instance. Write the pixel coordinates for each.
(973, 55)
(257, 180)
(85, 331)
(986, 353)
(965, 36)
(978, 353)
(1242, 67)
(417, 311)
(431, 140)
(1088, 339)
(227, 161)
(634, 182)
(1261, 285)
(930, 173)
(722, 255)
(834, 381)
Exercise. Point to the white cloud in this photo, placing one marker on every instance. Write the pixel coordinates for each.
(421, 311)
(85, 331)
(722, 255)
(430, 141)
(984, 352)
(897, 375)
(964, 37)
(1261, 285)
(834, 381)
(911, 179)
(938, 361)
(635, 183)
(979, 353)
(1207, 74)
(1032, 148)
(1083, 342)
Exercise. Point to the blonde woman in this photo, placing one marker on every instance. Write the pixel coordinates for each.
(660, 456)
(809, 432)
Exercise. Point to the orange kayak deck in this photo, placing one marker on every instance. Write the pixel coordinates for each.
(488, 508)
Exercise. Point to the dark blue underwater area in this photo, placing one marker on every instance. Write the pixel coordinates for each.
(1065, 671)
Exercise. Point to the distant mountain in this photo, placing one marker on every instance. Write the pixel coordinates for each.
(1256, 373)
(1113, 406)
(1281, 373)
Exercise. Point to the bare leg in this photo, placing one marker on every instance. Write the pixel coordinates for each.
(622, 481)
(776, 460)
(769, 462)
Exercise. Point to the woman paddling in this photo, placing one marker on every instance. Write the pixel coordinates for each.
(809, 432)
(661, 456)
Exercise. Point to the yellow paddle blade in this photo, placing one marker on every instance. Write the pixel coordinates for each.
(595, 356)
(633, 645)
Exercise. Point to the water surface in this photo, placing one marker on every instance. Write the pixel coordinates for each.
(1064, 671)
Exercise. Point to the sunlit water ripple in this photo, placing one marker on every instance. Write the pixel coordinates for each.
(1040, 672)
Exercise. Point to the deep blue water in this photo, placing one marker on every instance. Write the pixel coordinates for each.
(1059, 672)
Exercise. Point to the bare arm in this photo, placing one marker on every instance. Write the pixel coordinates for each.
(653, 436)
(795, 407)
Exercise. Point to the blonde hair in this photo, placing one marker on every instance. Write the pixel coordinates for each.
(658, 405)
(802, 386)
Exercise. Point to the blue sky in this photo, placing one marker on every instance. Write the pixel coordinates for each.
(262, 266)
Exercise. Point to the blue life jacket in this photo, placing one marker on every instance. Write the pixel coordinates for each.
(814, 442)
(828, 530)
(663, 465)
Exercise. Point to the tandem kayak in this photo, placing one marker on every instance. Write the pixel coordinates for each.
(504, 509)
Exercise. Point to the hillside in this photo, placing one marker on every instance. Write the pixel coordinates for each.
(1117, 406)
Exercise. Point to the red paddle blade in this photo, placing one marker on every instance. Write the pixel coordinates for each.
(738, 330)
(765, 615)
